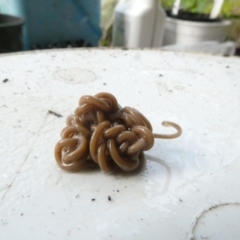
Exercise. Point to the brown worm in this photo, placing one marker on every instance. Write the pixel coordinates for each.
(102, 133)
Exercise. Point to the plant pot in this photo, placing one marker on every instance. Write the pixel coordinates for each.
(10, 33)
(182, 31)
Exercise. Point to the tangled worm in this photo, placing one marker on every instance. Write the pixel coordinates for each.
(102, 133)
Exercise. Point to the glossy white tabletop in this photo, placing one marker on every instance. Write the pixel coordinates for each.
(191, 186)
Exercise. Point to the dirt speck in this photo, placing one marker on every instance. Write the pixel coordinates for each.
(54, 113)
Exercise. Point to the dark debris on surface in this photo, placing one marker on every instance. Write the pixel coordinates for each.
(64, 44)
(54, 113)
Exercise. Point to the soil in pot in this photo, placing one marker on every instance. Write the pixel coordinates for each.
(10, 33)
(195, 17)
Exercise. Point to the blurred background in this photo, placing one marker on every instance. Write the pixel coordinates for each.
(188, 25)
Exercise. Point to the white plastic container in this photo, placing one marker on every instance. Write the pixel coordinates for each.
(138, 24)
(189, 32)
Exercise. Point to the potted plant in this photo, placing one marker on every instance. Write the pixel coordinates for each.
(10, 33)
(195, 21)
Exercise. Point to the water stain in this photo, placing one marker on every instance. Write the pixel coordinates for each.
(168, 171)
(74, 75)
(164, 88)
(219, 221)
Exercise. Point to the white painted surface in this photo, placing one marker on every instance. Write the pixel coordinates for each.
(191, 185)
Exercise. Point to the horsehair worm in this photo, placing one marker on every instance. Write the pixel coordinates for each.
(102, 133)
